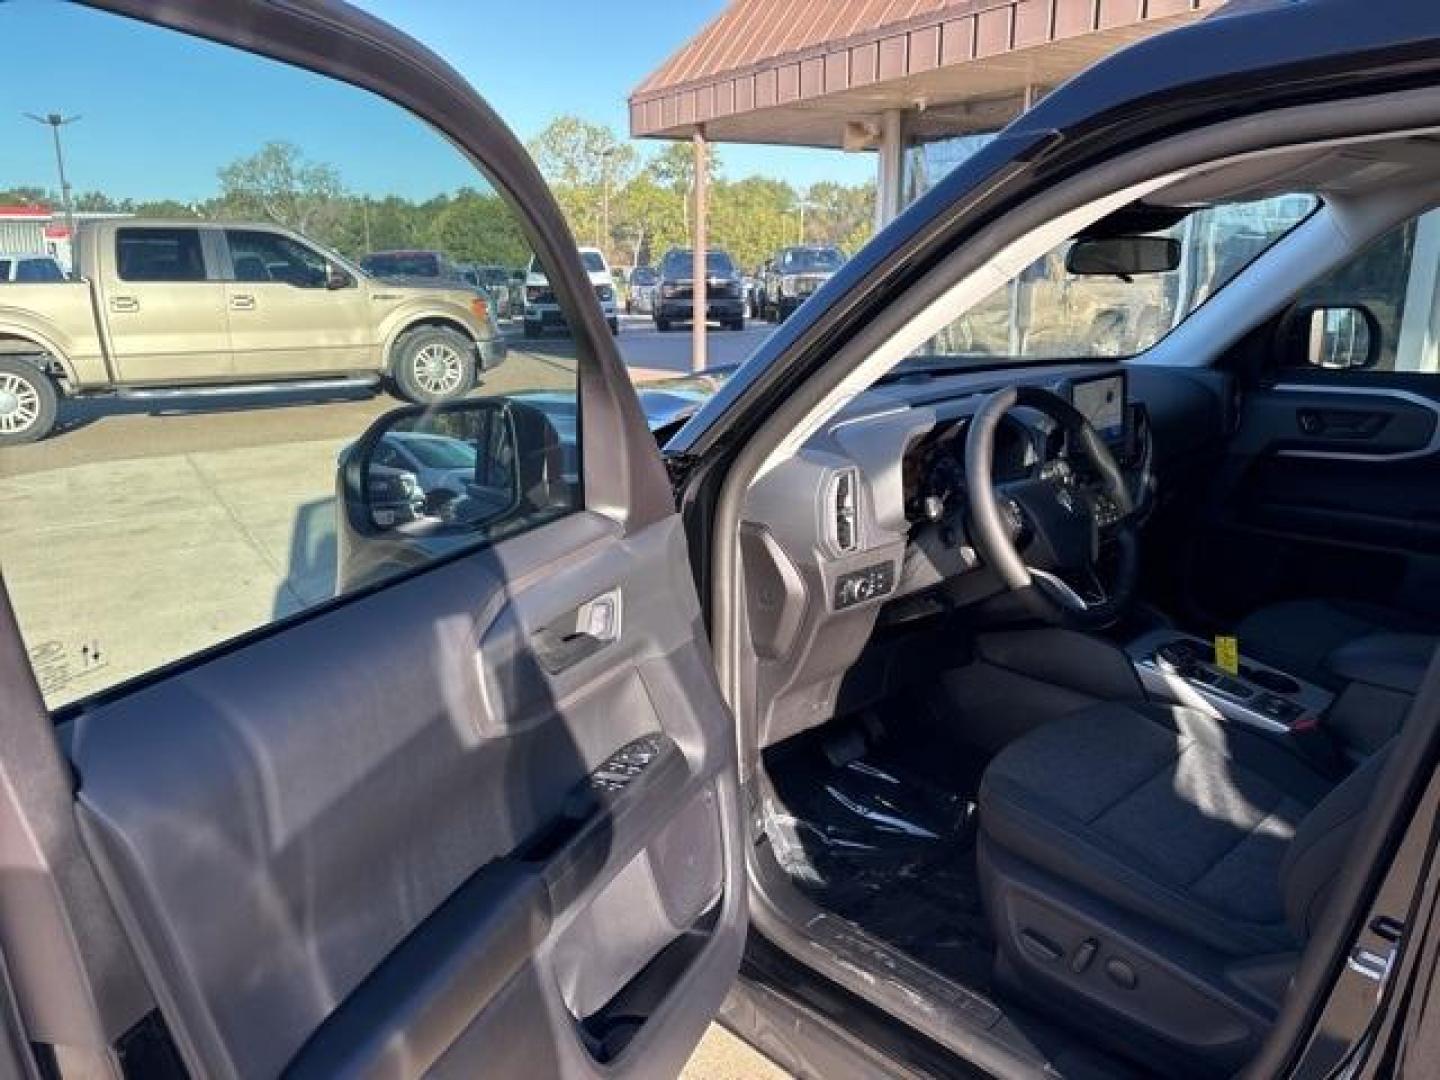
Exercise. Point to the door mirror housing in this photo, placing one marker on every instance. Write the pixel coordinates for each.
(424, 481)
(1338, 337)
(1122, 256)
(432, 469)
(337, 277)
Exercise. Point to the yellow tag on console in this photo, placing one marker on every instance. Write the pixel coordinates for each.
(1227, 654)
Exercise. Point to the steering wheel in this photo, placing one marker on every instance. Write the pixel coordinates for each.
(1060, 523)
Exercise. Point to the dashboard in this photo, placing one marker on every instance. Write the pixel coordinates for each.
(869, 519)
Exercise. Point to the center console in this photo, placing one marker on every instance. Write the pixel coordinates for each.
(1182, 669)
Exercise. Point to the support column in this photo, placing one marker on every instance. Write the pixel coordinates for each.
(698, 300)
(891, 175)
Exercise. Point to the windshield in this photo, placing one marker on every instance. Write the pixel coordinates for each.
(594, 262)
(810, 260)
(442, 453)
(1046, 313)
(402, 264)
(679, 264)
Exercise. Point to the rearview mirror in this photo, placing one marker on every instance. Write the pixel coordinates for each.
(1342, 337)
(1122, 256)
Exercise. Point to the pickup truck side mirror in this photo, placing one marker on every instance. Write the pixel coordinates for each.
(1335, 337)
(337, 278)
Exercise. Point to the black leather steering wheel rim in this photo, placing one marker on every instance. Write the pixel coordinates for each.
(1048, 596)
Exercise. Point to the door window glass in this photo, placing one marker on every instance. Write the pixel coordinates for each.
(1395, 283)
(135, 536)
(34, 270)
(159, 255)
(273, 257)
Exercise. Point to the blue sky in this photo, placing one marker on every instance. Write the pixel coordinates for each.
(161, 122)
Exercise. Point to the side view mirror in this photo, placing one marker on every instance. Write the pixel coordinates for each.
(1339, 337)
(427, 470)
(427, 480)
(1122, 256)
(336, 278)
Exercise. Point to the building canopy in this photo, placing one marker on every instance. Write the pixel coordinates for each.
(822, 72)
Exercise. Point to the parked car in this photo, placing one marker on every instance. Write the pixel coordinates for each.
(266, 309)
(494, 281)
(28, 268)
(641, 298)
(793, 275)
(542, 310)
(850, 720)
(408, 264)
(724, 290)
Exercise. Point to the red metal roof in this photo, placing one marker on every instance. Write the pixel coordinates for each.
(770, 70)
(752, 31)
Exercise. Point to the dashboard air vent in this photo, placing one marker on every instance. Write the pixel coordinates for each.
(843, 515)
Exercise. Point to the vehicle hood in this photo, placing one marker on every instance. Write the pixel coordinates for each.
(423, 286)
(664, 401)
(597, 277)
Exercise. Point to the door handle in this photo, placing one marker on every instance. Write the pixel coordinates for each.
(124, 303)
(242, 302)
(1341, 423)
(578, 635)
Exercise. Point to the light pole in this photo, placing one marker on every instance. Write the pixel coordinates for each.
(54, 121)
(803, 204)
(605, 156)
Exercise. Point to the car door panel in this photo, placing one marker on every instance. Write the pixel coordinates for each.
(1329, 491)
(349, 862)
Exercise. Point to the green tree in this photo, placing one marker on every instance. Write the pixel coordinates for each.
(280, 184)
(586, 164)
(753, 217)
(478, 227)
(840, 215)
(674, 168)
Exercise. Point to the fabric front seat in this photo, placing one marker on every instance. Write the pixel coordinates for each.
(1337, 642)
(1178, 846)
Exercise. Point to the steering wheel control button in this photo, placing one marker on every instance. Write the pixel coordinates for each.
(1121, 973)
(1084, 955)
(859, 586)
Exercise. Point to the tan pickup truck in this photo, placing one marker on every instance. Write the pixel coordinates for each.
(172, 308)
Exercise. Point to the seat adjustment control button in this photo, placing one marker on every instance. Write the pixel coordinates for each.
(1121, 973)
(1083, 955)
(1042, 948)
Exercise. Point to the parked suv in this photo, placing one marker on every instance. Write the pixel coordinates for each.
(263, 308)
(724, 290)
(29, 267)
(793, 274)
(542, 310)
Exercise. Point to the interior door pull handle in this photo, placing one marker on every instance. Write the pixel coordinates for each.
(580, 634)
(1341, 423)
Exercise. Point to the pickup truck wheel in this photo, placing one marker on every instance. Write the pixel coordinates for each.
(29, 402)
(433, 363)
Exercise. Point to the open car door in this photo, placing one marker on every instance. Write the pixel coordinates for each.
(469, 810)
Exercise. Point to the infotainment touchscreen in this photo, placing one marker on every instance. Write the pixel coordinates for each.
(1102, 401)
